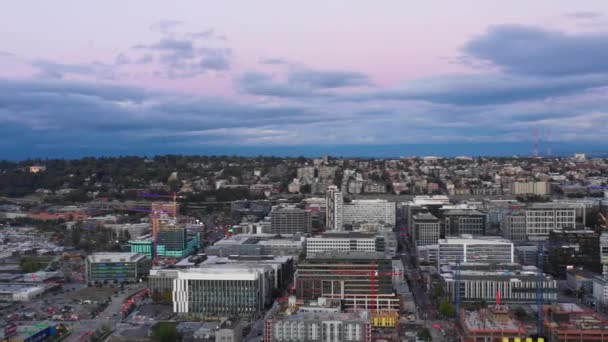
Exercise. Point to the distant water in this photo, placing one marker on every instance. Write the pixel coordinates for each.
(369, 151)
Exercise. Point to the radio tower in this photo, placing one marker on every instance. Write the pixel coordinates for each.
(549, 143)
(536, 142)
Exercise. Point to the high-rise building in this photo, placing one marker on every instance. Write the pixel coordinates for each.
(334, 212)
(425, 229)
(479, 249)
(290, 220)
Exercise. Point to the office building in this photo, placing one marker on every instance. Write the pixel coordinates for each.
(464, 221)
(351, 277)
(235, 291)
(425, 229)
(282, 266)
(479, 249)
(367, 211)
(316, 323)
(542, 218)
(604, 254)
(334, 211)
(289, 220)
(160, 283)
(345, 241)
(482, 281)
(144, 245)
(116, 267)
(513, 226)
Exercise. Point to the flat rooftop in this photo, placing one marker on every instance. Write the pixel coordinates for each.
(20, 288)
(347, 255)
(472, 240)
(115, 257)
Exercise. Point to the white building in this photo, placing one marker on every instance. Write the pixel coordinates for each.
(20, 292)
(342, 242)
(480, 249)
(334, 212)
(319, 323)
(600, 291)
(241, 291)
(366, 211)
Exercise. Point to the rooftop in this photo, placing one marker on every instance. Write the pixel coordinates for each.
(463, 212)
(467, 239)
(491, 320)
(347, 255)
(115, 257)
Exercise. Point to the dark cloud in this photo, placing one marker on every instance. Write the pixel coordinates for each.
(257, 83)
(487, 89)
(206, 34)
(215, 59)
(533, 50)
(301, 82)
(51, 69)
(328, 78)
(166, 26)
(274, 61)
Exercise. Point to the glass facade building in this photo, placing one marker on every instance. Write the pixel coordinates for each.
(116, 267)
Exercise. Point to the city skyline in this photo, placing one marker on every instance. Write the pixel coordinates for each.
(344, 78)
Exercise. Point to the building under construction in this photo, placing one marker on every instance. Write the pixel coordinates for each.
(170, 237)
(491, 324)
(568, 322)
(361, 280)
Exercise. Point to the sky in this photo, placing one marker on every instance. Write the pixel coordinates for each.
(347, 77)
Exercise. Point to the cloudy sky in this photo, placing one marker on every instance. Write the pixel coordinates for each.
(144, 77)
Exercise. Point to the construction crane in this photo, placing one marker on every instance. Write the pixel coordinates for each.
(604, 223)
(539, 289)
(457, 287)
(373, 274)
(154, 217)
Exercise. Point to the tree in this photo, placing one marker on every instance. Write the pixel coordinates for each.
(437, 291)
(425, 335)
(165, 332)
(446, 309)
